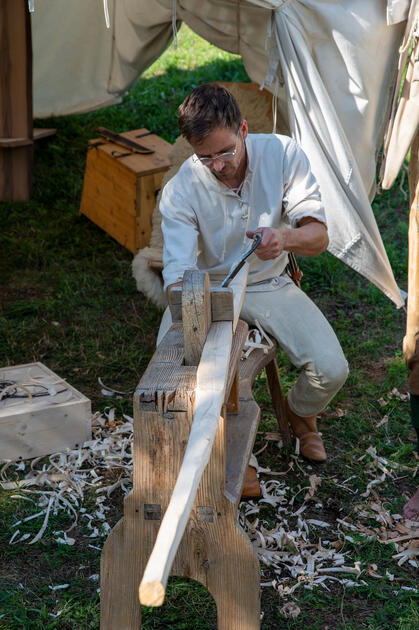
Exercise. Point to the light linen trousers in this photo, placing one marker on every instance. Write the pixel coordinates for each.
(305, 335)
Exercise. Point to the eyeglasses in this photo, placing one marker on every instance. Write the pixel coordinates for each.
(223, 157)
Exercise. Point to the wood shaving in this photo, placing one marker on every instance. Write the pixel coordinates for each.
(256, 338)
(383, 420)
(315, 482)
(290, 610)
(111, 390)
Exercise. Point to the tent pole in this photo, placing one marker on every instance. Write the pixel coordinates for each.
(16, 122)
(412, 324)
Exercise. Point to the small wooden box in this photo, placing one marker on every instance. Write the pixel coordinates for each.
(120, 188)
(38, 426)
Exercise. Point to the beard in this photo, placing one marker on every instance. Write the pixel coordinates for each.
(233, 170)
(226, 173)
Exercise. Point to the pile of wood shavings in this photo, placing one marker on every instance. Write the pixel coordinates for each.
(288, 548)
(62, 482)
(392, 528)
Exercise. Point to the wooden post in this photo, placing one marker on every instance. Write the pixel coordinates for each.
(196, 314)
(412, 323)
(16, 124)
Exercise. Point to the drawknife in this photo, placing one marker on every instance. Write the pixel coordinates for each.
(236, 268)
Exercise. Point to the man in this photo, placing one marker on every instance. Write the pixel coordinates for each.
(236, 185)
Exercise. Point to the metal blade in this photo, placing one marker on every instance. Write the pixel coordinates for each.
(236, 269)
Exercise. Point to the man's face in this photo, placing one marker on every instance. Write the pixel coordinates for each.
(224, 140)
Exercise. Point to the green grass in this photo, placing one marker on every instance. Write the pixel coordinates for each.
(68, 300)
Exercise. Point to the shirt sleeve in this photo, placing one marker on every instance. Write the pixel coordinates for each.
(301, 191)
(180, 234)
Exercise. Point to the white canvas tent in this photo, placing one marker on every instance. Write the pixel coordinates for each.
(332, 66)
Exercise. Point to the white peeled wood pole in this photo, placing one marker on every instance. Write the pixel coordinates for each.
(412, 323)
(211, 381)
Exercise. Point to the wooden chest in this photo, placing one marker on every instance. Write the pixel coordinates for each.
(40, 413)
(120, 187)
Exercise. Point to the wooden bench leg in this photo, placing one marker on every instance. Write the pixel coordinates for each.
(120, 572)
(278, 399)
(234, 584)
(124, 557)
(220, 557)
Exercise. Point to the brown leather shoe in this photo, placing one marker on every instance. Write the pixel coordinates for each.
(311, 443)
(251, 487)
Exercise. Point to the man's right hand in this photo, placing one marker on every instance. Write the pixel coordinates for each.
(308, 239)
(272, 244)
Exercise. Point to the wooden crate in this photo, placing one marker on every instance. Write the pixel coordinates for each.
(120, 188)
(41, 425)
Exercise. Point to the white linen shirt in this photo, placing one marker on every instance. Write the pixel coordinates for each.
(204, 222)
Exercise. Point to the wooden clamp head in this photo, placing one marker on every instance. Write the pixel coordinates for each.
(222, 304)
(197, 305)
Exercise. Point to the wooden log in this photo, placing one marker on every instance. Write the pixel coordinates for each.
(239, 284)
(412, 323)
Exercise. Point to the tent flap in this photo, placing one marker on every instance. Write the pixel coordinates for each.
(335, 93)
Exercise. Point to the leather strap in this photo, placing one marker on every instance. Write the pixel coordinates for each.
(293, 270)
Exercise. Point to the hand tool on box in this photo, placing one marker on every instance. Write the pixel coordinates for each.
(127, 143)
(236, 269)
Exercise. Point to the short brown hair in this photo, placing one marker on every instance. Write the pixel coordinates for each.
(208, 106)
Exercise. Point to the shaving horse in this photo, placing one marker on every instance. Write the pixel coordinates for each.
(195, 422)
